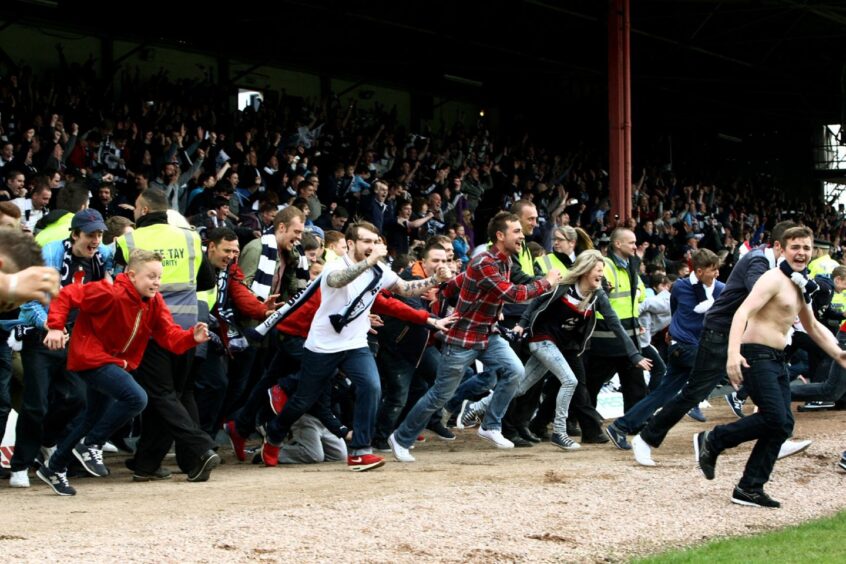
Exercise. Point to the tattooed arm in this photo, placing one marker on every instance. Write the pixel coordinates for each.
(340, 278)
(413, 288)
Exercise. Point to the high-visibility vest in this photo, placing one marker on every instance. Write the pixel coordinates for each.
(822, 266)
(838, 302)
(620, 295)
(181, 253)
(56, 231)
(549, 261)
(524, 257)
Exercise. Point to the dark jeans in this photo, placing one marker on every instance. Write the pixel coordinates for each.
(681, 362)
(171, 412)
(5, 381)
(581, 407)
(53, 399)
(210, 383)
(316, 373)
(285, 361)
(114, 398)
(397, 373)
(602, 369)
(708, 368)
(659, 367)
(832, 389)
(240, 367)
(768, 384)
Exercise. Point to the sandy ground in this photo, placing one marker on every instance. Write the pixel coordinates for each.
(462, 501)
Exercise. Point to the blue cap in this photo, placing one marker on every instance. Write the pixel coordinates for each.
(88, 221)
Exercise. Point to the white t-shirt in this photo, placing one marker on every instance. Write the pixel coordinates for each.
(322, 337)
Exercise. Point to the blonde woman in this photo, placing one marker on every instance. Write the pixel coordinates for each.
(559, 325)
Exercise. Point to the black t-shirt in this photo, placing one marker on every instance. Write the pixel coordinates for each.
(82, 272)
(562, 322)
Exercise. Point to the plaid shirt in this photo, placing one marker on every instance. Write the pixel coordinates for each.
(482, 289)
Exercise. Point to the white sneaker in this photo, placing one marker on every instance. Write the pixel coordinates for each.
(109, 447)
(495, 436)
(789, 448)
(642, 452)
(400, 452)
(19, 479)
(46, 453)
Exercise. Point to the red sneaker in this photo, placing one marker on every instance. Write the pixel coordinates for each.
(278, 398)
(237, 441)
(421, 438)
(269, 454)
(364, 462)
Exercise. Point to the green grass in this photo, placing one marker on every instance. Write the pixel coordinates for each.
(815, 541)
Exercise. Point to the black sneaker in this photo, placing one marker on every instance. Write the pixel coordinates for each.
(842, 462)
(58, 481)
(527, 434)
(706, 458)
(539, 430)
(597, 440)
(815, 406)
(519, 442)
(753, 499)
(441, 431)
(735, 404)
(208, 462)
(617, 437)
(159, 474)
(91, 458)
(573, 430)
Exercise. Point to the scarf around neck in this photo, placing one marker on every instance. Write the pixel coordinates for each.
(801, 280)
(97, 265)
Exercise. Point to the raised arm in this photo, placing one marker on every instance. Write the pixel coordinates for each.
(413, 288)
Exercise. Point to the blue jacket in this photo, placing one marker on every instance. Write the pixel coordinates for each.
(35, 314)
(686, 325)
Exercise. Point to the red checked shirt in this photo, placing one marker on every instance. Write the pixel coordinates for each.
(482, 289)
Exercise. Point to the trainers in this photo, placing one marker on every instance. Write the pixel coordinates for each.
(236, 440)
(789, 448)
(842, 462)
(618, 438)
(400, 453)
(159, 474)
(441, 431)
(269, 453)
(278, 399)
(495, 436)
(91, 458)
(753, 499)
(563, 441)
(642, 452)
(706, 457)
(735, 404)
(58, 481)
(539, 430)
(697, 415)
(365, 462)
(815, 406)
(526, 434)
(468, 416)
(208, 462)
(19, 479)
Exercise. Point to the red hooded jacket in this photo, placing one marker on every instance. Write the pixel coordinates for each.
(114, 324)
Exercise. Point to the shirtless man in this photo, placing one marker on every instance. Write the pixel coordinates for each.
(758, 335)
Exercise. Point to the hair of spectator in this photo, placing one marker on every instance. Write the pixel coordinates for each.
(584, 263)
(341, 211)
(219, 234)
(499, 224)
(536, 249)
(39, 183)
(310, 242)
(115, 227)
(224, 186)
(704, 258)
(20, 249)
(72, 198)
(155, 199)
(618, 233)
(520, 205)
(400, 263)
(352, 230)
(798, 232)
(10, 209)
(838, 272)
(300, 202)
(780, 228)
(332, 237)
(304, 185)
(266, 206)
(657, 279)
(140, 257)
(432, 245)
(288, 215)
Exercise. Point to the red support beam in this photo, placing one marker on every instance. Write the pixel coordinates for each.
(619, 108)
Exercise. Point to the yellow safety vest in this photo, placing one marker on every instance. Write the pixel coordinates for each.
(620, 296)
(524, 257)
(56, 231)
(822, 266)
(838, 302)
(549, 261)
(181, 253)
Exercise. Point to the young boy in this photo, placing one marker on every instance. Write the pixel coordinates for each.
(114, 324)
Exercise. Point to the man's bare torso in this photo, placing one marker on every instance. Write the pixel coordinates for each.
(772, 323)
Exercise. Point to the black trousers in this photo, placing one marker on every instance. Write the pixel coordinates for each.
(581, 406)
(602, 369)
(171, 412)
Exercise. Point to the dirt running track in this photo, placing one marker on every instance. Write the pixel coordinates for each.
(461, 501)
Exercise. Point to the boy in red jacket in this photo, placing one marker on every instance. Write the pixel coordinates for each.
(115, 323)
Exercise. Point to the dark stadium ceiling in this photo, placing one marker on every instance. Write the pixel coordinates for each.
(738, 59)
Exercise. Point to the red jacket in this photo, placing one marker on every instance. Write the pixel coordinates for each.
(114, 324)
(298, 323)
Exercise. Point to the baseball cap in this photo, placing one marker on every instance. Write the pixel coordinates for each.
(88, 221)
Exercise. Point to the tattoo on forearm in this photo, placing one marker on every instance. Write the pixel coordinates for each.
(416, 287)
(340, 278)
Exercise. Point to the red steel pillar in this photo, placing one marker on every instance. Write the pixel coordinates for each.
(619, 108)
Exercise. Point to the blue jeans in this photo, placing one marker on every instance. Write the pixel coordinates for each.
(832, 389)
(708, 368)
(769, 387)
(547, 357)
(316, 375)
(681, 358)
(397, 373)
(114, 397)
(472, 386)
(454, 363)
